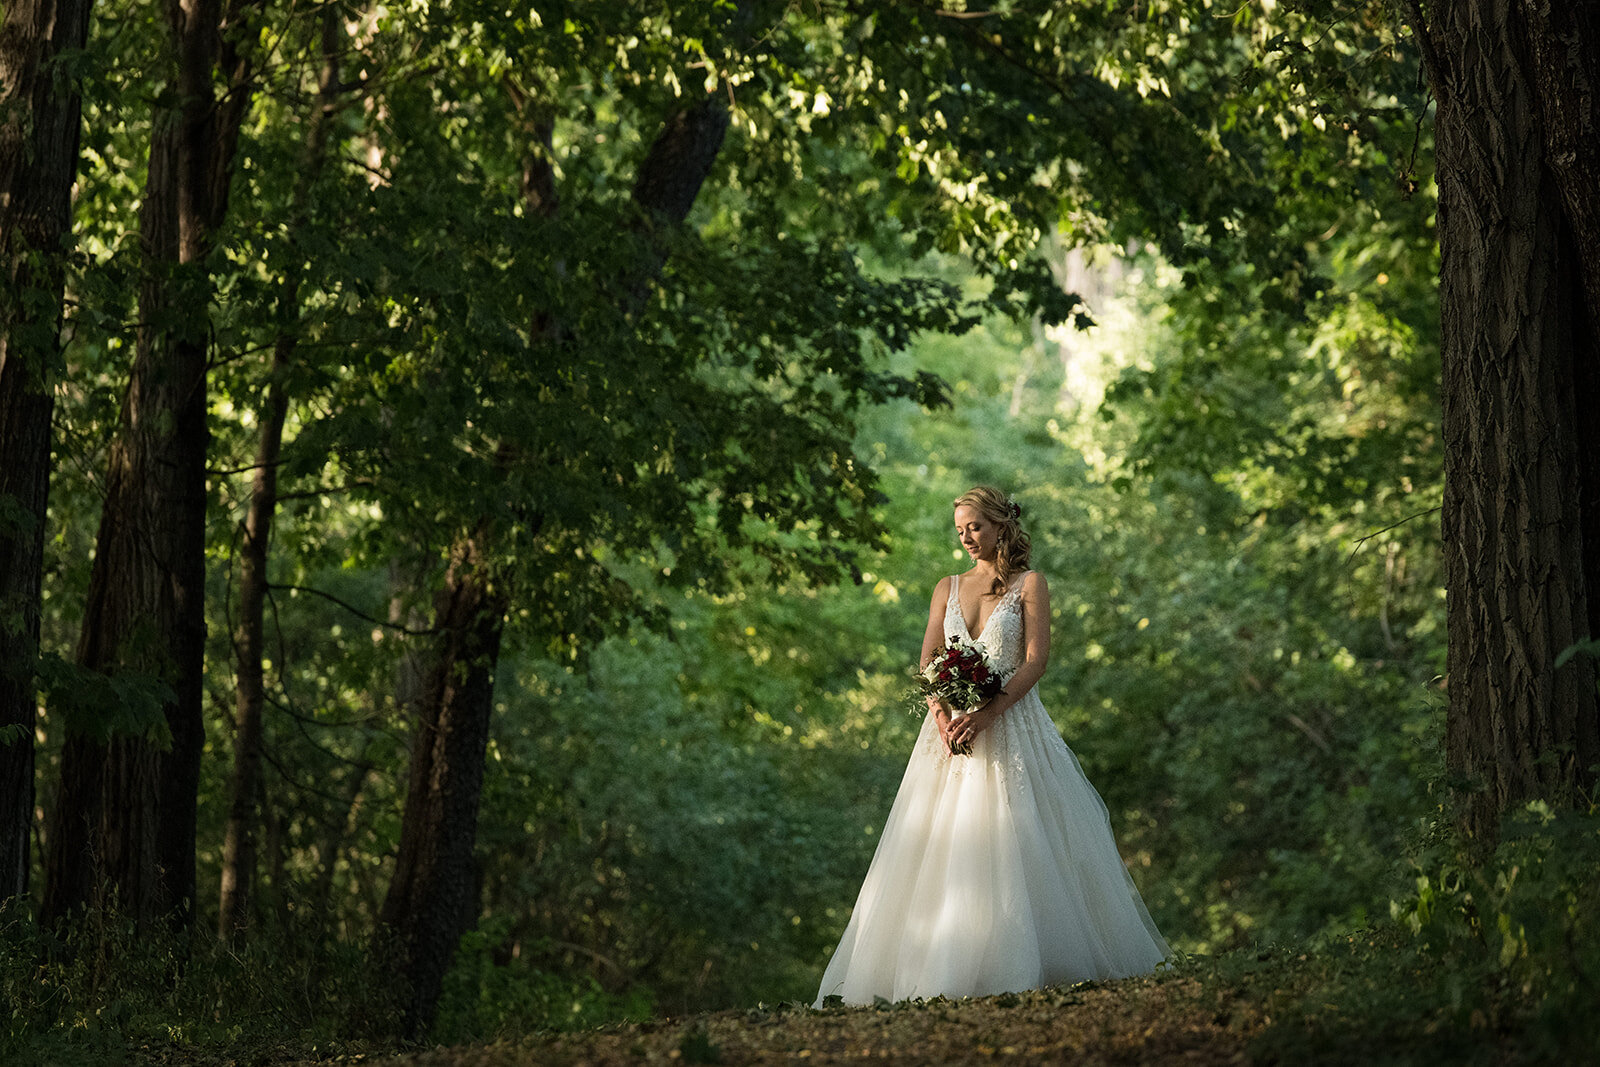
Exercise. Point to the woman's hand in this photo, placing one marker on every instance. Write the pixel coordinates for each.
(941, 717)
(965, 730)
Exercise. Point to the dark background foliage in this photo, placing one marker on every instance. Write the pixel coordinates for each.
(1166, 272)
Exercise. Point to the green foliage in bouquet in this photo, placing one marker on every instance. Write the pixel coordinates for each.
(960, 675)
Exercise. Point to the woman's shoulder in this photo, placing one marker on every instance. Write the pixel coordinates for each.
(1032, 582)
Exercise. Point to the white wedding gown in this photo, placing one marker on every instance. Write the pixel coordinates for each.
(996, 872)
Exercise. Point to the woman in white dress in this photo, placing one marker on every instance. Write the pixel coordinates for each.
(996, 871)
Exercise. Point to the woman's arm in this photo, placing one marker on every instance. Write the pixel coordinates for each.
(932, 642)
(933, 636)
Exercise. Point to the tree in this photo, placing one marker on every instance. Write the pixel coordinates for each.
(40, 123)
(123, 825)
(239, 835)
(572, 350)
(1518, 163)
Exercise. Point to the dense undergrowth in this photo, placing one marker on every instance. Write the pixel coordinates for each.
(1482, 961)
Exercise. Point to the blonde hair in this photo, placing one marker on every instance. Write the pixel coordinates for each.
(1013, 546)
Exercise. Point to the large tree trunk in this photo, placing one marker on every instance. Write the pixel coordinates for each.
(123, 826)
(239, 835)
(40, 121)
(428, 904)
(1522, 555)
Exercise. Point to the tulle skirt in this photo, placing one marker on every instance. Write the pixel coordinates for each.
(996, 872)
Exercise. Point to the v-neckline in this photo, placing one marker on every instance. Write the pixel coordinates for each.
(966, 628)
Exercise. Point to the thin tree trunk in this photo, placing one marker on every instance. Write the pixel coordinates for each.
(1518, 345)
(239, 834)
(275, 842)
(427, 900)
(427, 906)
(40, 123)
(123, 827)
(335, 834)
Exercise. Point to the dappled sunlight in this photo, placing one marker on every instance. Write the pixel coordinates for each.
(465, 533)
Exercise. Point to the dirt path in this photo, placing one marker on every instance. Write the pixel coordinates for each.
(1140, 1021)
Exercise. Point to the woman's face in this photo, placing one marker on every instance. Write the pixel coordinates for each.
(977, 535)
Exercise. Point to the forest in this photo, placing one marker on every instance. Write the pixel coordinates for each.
(472, 476)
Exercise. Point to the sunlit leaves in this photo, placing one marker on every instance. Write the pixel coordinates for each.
(698, 429)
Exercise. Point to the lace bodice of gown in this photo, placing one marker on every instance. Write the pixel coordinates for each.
(1001, 636)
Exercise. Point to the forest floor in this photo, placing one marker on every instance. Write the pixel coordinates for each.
(1118, 1023)
(1359, 1000)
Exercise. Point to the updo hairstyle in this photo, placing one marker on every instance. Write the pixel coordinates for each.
(1013, 546)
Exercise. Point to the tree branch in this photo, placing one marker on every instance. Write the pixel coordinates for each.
(985, 42)
(288, 776)
(1431, 60)
(1386, 529)
(352, 609)
(327, 490)
(680, 160)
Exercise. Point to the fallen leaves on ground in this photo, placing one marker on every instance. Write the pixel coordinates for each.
(1138, 1021)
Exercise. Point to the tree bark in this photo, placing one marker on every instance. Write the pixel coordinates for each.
(123, 826)
(239, 833)
(40, 125)
(1564, 41)
(1518, 353)
(428, 904)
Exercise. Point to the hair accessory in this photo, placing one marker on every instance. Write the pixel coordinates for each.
(1016, 510)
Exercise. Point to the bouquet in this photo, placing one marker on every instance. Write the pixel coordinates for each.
(962, 676)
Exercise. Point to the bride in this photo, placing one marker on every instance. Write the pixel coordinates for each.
(996, 871)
